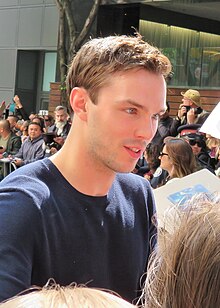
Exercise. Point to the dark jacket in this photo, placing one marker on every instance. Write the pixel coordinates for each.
(163, 130)
(14, 144)
(65, 132)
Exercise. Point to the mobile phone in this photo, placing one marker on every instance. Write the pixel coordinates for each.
(187, 108)
(12, 107)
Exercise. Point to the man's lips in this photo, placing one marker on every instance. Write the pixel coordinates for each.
(134, 152)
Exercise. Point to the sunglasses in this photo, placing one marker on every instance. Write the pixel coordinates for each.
(46, 120)
(163, 154)
(194, 142)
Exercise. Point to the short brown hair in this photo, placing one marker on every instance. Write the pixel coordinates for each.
(101, 57)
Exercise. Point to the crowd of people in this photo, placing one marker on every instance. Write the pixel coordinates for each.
(75, 212)
(186, 144)
(28, 138)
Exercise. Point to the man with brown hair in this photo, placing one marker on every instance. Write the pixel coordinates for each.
(89, 219)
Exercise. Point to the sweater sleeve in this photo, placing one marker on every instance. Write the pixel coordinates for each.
(16, 242)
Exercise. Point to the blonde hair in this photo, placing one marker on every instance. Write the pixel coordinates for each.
(185, 271)
(100, 58)
(212, 142)
(72, 296)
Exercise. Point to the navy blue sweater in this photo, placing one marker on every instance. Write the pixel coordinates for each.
(50, 230)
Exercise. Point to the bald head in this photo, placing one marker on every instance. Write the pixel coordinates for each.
(4, 124)
(4, 128)
(12, 120)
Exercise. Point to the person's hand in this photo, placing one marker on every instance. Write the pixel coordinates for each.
(53, 151)
(17, 101)
(18, 161)
(191, 116)
(181, 111)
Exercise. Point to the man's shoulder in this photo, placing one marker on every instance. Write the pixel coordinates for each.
(133, 192)
(33, 182)
(132, 181)
(13, 136)
(39, 139)
(38, 173)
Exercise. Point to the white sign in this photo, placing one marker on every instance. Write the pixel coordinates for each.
(43, 112)
(178, 191)
(212, 125)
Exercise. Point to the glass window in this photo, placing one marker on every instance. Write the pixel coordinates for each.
(50, 61)
(195, 56)
(210, 68)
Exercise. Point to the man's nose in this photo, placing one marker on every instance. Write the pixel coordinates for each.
(146, 128)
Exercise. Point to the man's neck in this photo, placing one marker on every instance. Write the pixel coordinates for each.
(82, 175)
(6, 135)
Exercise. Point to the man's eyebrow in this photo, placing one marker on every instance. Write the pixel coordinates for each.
(135, 104)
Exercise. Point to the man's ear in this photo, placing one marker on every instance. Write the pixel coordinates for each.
(78, 101)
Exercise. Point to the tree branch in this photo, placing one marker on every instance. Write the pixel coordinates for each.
(62, 54)
(88, 23)
(70, 20)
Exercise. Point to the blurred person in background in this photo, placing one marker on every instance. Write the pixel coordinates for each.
(62, 126)
(197, 142)
(10, 143)
(32, 148)
(48, 123)
(164, 127)
(190, 111)
(177, 158)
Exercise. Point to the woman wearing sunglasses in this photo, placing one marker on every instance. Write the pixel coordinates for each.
(177, 158)
(200, 150)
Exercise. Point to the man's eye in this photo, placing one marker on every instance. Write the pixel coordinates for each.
(131, 110)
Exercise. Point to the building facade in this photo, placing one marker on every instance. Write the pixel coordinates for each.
(187, 31)
(28, 44)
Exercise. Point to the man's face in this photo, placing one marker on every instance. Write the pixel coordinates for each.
(34, 131)
(60, 116)
(12, 121)
(186, 101)
(124, 119)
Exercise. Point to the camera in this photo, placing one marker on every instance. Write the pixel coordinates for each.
(49, 141)
(197, 110)
(187, 108)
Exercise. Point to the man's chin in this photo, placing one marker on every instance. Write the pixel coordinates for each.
(126, 169)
